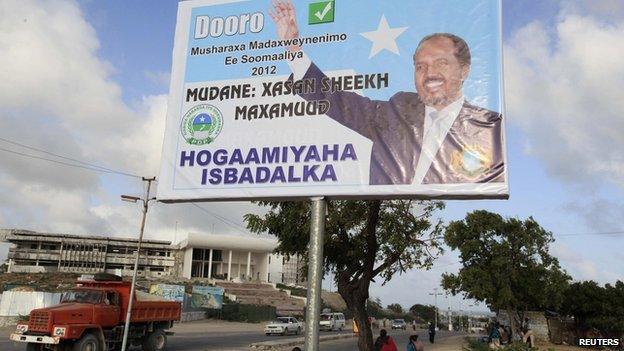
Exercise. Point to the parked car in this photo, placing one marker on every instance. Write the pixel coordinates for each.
(284, 326)
(332, 321)
(399, 324)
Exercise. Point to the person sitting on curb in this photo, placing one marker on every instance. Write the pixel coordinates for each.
(495, 337)
(527, 333)
(384, 342)
(415, 344)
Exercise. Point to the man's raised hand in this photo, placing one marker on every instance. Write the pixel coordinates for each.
(283, 14)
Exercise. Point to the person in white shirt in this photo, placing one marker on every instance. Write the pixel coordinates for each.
(433, 136)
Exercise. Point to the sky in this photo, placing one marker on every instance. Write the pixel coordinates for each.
(88, 80)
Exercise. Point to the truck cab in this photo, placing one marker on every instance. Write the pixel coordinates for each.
(91, 317)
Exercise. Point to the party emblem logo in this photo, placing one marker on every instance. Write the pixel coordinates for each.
(471, 161)
(201, 124)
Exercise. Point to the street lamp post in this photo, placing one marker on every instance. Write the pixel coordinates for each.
(146, 201)
(435, 296)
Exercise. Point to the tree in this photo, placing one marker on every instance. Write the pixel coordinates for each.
(597, 307)
(363, 240)
(506, 264)
(396, 308)
(374, 308)
(426, 313)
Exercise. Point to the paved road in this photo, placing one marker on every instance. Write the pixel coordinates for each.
(400, 338)
(196, 336)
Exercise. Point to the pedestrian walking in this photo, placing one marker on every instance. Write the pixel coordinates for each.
(413, 324)
(432, 332)
(414, 344)
(384, 342)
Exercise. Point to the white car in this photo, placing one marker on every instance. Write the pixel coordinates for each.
(284, 326)
(332, 321)
(399, 324)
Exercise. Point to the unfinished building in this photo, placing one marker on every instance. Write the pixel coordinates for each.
(33, 252)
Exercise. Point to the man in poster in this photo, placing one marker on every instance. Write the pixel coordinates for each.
(433, 136)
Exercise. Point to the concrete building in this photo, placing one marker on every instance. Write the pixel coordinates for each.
(33, 252)
(292, 271)
(228, 257)
(199, 256)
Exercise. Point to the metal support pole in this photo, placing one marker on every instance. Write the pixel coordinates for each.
(136, 263)
(315, 274)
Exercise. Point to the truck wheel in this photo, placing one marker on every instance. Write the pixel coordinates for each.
(155, 341)
(87, 343)
(31, 346)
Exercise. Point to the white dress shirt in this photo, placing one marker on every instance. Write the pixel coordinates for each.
(299, 66)
(437, 125)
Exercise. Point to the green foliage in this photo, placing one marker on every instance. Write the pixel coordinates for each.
(374, 308)
(396, 308)
(506, 263)
(403, 235)
(424, 312)
(520, 346)
(475, 345)
(597, 307)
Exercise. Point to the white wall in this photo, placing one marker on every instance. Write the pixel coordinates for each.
(16, 303)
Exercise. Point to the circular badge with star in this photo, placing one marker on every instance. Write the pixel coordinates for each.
(471, 161)
(201, 124)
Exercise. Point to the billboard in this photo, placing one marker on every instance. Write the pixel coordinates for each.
(210, 297)
(343, 98)
(168, 291)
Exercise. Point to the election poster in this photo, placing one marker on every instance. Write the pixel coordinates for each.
(168, 291)
(210, 297)
(342, 98)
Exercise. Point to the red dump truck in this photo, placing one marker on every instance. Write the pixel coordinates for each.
(91, 317)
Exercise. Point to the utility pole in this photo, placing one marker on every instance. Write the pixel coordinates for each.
(435, 297)
(448, 314)
(146, 201)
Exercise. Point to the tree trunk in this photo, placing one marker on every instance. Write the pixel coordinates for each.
(355, 295)
(512, 314)
(365, 338)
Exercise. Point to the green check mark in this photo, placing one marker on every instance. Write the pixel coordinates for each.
(321, 12)
(321, 15)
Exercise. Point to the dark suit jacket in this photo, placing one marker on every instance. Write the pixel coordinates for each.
(471, 153)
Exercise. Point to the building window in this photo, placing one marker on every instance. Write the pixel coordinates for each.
(198, 254)
(217, 256)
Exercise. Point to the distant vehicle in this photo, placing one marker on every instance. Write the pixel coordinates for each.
(91, 317)
(332, 321)
(284, 326)
(399, 324)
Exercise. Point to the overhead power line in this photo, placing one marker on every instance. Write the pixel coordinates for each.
(80, 164)
(619, 232)
(223, 219)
